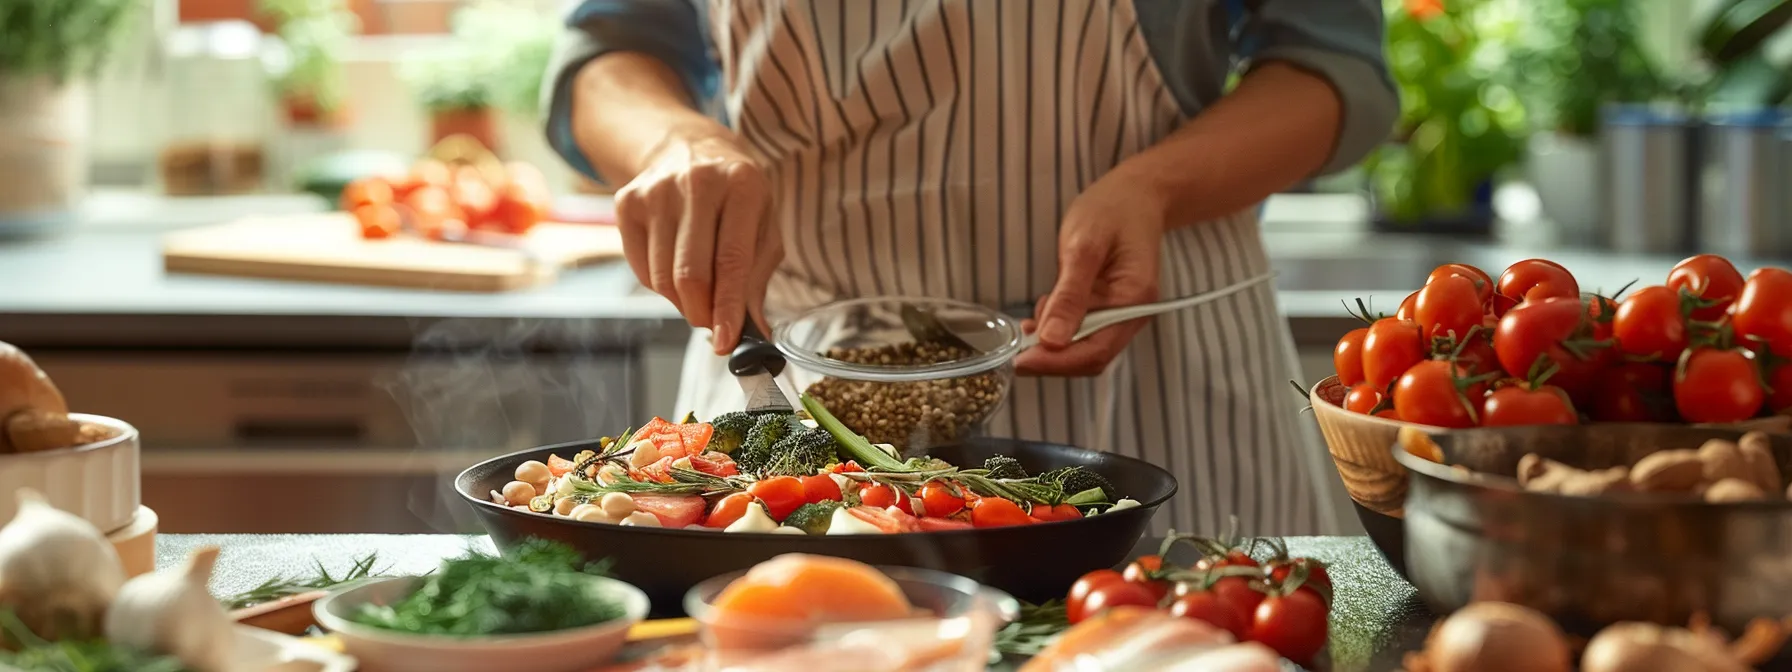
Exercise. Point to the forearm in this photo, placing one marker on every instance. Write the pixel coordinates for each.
(1279, 127)
(625, 106)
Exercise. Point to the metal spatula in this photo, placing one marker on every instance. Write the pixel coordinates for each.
(756, 363)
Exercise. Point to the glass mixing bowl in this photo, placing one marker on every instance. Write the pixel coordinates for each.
(909, 372)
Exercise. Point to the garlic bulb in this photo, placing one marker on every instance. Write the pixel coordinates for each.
(170, 612)
(56, 571)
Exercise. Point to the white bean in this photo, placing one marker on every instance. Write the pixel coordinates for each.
(641, 519)
(564, 506)
(534, 473)
(617, 504)
(590, 513)
(518, 493)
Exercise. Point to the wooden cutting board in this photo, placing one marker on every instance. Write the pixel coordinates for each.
(327, 247)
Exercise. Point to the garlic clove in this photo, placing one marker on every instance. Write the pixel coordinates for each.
(56, 571)
(172, 613)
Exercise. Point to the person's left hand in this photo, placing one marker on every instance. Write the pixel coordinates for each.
(1108, 249)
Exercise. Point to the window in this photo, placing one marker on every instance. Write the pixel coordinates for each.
(378, 17)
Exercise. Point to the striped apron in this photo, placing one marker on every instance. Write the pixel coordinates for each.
(931, 147)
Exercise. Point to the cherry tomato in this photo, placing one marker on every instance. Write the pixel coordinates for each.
(433, 213)
(1433, 393)
(1779, 381)
(780, 494)
(938, 501)
(1295, 625)
(1633, 392)
(1388, 413)
(525, 174)
(821, 488)
(1537, 279)
(1762, 315)
(878, 495)
(1347, 357)
(997, 512)
(476, 199)
(425, 173)
(1498, 306)
(1362, 398)
(1520, 405)
(1390, 348)
(377, 221)
(1448, 306)
(1317, 579)
(1651, 324)
(1709, 277)
(848, 467)
(520, 208)
(1084, 587)
(1055, 512)
(1110, 595)
(1408, 307)
(1556, 328)
(1238, 593)
(1718, 386)
(367, 191)
(1206, 606)
(1483, 283)
(1141, 571)
(728, 510)
(1477, 355)
(1234, 558)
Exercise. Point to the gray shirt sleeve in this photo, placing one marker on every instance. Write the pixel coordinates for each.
(669, 30)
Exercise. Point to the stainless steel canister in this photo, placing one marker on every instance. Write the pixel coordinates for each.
(1645, 164)
(1743, 184)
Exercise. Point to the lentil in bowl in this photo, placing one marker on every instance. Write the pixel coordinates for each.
(862, 361)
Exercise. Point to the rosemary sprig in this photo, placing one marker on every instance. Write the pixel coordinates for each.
(280, 587)
(1035, 628)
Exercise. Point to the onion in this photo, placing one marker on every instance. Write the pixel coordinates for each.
(1646, 647)
(1497, 637)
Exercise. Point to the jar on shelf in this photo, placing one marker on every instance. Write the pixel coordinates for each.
(218, 111)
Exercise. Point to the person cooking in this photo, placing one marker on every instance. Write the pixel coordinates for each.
(776, 155)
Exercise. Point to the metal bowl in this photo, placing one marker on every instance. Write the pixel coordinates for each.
(1031, 562)
(1474, 535)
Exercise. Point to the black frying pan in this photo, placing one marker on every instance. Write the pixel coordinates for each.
(1034, 562)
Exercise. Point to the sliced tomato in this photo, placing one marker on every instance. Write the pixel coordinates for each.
(674, 511)
(559, 466)
(931, 524)
(848, 467)
(696, 435)
(715, 464)
(1046, 514)
(674, 439)
(887, 521)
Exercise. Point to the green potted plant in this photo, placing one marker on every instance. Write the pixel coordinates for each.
(496, 64)
(309, 78)
(454, 86)
(48, 49)
(1461, 122)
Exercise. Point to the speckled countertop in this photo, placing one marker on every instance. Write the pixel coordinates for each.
(1376, 615)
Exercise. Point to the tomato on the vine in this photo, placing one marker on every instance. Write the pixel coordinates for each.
(821, 488)
(1762, 314)
(1553, 328)
(1709, 277)
(1448, 306)
(1317, 580)
(1294, 625)
(780, 494)
(1535, 280)
(1779, 384)
(1651, 324)
(1084, 586)
(1391, 347)
(1231, 558)
(1439, 394)
(1238, 593)
(1362, 398)
(1407, 307)
(1208, 607)
(1102, 590)
(1477, 355)
(1519, 405)
(938, 500)
(997, 512)
(1714, 385)
(1633, 392)
(1347, 357)
(879, 495)
(1143, 572)
(1483, 282)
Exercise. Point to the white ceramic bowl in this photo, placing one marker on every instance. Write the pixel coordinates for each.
(379, 650)
(259, 650)
(100, 481)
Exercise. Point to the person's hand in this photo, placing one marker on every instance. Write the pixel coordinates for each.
(1108, 247)
(696, 228)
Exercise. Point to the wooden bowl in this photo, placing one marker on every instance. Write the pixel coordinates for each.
(1359, 445)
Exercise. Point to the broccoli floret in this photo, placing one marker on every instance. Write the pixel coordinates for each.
(801, 453)
(756, 451)
(1078, 479)
(730, 431)
(813, 518)
(1003, 466)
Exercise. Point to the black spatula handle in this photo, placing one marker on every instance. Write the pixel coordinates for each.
(754, 353)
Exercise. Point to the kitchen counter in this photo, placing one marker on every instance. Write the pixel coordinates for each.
(1376, 615)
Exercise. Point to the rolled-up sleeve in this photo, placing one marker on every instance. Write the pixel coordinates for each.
(669, 30)
(1341, 41)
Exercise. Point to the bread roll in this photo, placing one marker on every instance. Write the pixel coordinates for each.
(23, 386)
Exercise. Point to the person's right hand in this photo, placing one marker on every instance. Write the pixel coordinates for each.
(696, 227)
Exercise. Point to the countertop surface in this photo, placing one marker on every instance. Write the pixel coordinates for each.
(103, 282)
(1376, 615)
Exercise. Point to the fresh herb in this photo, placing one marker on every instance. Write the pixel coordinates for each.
(60, 39)
(23, 650)
(280, 587)
(1035, 628)
(541, 586)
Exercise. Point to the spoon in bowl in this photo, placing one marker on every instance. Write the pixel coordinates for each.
(1097, 320)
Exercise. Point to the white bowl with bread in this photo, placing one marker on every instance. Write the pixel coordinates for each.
(87, 465)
